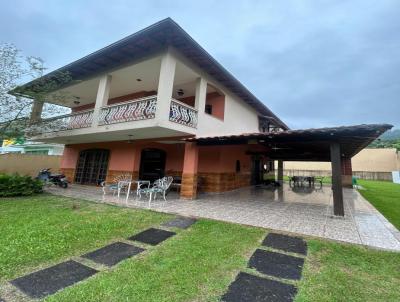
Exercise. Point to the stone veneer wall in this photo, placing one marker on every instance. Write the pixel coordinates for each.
(69, 174)
(222, 182)
(189, 186)
(347, 172)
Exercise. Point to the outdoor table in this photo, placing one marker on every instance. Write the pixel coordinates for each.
(128, 184)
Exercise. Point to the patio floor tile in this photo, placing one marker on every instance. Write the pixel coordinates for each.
(113, 253)
(276, 264)
(50, 280)
(286, 243)
(250, 288)
(152, 236)
(180, 222)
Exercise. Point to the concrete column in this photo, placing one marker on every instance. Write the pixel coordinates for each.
(200, 99)
(338, 208)
(347, 173)
(36, 112)
(189, 174)
(165, 86)
(280, 172)
(103, 93)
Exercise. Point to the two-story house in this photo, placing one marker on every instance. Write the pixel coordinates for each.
(145, 105)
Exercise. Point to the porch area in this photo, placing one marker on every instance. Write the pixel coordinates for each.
(303, 211)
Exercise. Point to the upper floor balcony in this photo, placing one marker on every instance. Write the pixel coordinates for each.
(156, 98)
(133, 110)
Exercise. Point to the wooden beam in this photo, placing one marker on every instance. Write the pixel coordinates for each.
(338, 208)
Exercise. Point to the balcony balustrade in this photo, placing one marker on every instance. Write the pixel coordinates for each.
(78, 120)
(135, 110)
(183, 114)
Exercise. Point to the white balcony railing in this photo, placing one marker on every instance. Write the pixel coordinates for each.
(81, 119)
(138, 109)
(135, 110)
(182, 113)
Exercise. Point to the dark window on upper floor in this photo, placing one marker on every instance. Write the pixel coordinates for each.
(208, 109)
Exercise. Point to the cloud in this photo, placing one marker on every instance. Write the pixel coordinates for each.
(314, 63)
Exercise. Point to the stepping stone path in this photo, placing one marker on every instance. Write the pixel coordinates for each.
(247, 287)
(113, 253)
(50, 280)
(152, 236)
(277, 264)
(286, 243)
(180, 222)
(250, 288)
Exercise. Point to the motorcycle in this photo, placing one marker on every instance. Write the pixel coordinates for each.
(56, 179)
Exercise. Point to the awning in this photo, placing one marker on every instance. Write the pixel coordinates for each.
(307, 144)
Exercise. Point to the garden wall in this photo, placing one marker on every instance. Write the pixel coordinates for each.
(28, 164)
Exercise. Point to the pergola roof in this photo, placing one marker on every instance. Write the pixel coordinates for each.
(142, 44)
(307, 144)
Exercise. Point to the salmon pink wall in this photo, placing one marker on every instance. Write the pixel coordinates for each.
(70, 157)
(217, 102)
(126, 156)
(124, 98)
(219, 159)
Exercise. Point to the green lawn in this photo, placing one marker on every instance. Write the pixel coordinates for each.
(197, 264)
(44, 229)
(385, 196)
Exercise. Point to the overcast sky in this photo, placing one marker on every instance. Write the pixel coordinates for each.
(314, 63)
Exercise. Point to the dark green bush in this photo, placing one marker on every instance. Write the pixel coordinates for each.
(17, 185)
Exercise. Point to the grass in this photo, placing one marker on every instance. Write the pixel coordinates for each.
(43, 229)
(385, 197)
(197, 264)
(344, 272)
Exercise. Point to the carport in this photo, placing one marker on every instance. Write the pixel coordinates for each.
(336, 145)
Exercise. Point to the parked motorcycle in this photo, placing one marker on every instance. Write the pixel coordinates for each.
(56, 179)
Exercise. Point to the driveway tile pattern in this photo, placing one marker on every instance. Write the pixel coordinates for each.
(299, 210)
(113, 253)
(50, 280)
(250, 288)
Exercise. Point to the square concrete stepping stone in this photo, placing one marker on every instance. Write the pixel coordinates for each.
(286, 243)
(50, 280)
(250, 288)
(276, 264)
(180, 222)
(113, 253)
(152, 236)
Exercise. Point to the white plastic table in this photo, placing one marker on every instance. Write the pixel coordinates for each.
(127, 183)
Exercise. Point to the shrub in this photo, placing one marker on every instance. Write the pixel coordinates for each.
(17, 185)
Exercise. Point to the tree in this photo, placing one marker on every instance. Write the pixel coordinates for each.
(15, 108)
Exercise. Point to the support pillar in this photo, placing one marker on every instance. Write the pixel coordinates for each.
(280, 172)
(337, 188)
(165, 86)
(200, 100)
(189, 174)
(347, 173)
(103, 93)
(36, 112)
